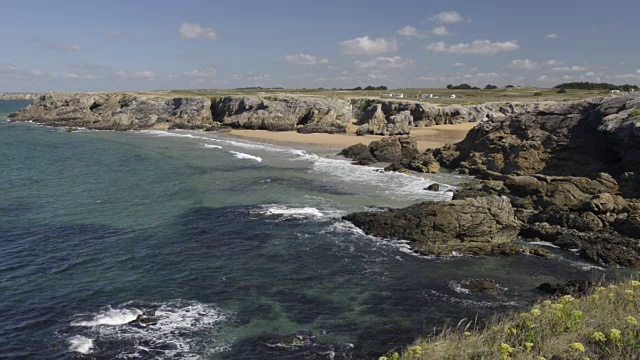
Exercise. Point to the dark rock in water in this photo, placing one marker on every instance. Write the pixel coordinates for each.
(393, 148)
(359, 153)
(483, 286)
(480, 226)
(424, 163)
(71, 129)
(148, 317)
(572, 287)
(538, 252)
(433, 187)
(304, 346)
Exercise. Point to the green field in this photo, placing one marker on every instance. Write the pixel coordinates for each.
(463, 97)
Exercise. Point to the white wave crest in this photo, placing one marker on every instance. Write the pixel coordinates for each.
(244, 156)
(184, 328)
(543, 243)
(110, 317)
(292, 212)
(80, 344)
(209, 146)
(393, 184)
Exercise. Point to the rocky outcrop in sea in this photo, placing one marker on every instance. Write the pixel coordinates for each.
(568, 171)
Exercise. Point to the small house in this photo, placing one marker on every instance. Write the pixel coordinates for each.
(426, 96)
(453, 96)
(615, 91)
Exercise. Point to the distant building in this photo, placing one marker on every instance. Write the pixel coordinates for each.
(393, 95)
(426, 96)
(615, 91)
(453, 96)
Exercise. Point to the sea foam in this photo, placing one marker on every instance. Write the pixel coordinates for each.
(80, 344)
(244, 156)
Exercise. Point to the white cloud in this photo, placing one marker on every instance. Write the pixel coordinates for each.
(387, 63)
(459, 64)
(142, 75)
(626, 77)
(304, 59)
(366, 46)
(113, 34)
(638, 71)
(568, 68)
(191, 31)
(408, 31)
(553, 62)
(543, 78)
(377, 76)
(440, 31)
(478, 47)
(211, 72)
(448, 17)
(524, 64)
(63, 47)
(590, 73)
(551, 36)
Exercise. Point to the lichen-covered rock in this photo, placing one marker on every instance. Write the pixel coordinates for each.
(474, 226)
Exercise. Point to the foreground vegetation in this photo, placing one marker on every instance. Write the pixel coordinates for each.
(600, 325)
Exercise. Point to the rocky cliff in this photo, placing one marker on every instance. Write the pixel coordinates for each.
(570, 172)
(392, 117)
(18, 96)
(117, 111)
(284, 113)
(123, 111)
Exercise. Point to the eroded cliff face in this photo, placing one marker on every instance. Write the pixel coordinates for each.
(122, 111)
(118, 111)
(391, 117)
(283, 113)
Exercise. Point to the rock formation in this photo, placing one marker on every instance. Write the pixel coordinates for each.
(118, 111)
(475, 226)
(282, 113)
(122, 111)
(568, 172)
(388, 149)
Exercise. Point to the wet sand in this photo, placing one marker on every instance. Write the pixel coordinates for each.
(431, 137)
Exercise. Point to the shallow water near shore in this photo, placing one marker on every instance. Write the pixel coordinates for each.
(234, 244)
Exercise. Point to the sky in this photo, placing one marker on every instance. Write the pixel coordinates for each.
(72, 45)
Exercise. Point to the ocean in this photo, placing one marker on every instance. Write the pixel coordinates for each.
(236, 245)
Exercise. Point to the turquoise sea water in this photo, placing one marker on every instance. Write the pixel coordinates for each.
(233, 243)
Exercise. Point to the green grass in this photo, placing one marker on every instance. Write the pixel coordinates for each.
(600, 325)
(464, 97)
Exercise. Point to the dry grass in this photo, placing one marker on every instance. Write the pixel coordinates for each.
(599, 325)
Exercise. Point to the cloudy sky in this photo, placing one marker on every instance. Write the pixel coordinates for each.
(73, 45)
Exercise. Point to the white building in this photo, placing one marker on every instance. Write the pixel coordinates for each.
(453, 96)
(393, 95)
(615, 91)
(426, 96)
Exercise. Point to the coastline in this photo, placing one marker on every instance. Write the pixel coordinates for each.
(431, 137)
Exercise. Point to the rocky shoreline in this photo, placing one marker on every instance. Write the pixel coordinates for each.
(304, 114)
(564, 173)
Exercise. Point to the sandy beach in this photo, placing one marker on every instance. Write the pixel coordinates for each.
(431, 137)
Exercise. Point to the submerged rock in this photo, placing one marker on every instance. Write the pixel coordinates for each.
(473, 226)
(572, 287)
(303, 345)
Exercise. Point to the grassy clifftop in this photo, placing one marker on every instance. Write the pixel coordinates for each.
(603, 324)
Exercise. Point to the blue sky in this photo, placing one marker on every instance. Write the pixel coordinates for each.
(149, 45)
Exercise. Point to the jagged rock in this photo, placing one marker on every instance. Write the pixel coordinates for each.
(118, 111)
(360, 153)
(304, 345)
(393, 148)
(573, 138)
(479, 226)
(433, 187)
(482, 286)
(424, 163)
(284, 113)
(572, 287)
(537, 252)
